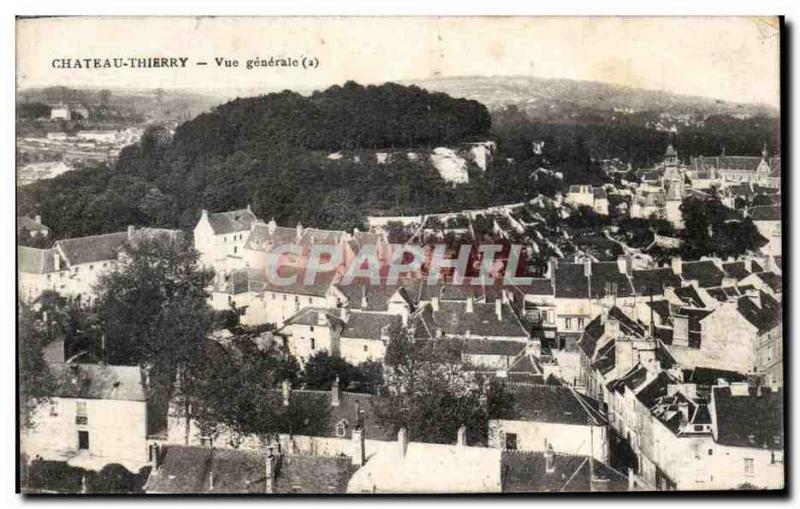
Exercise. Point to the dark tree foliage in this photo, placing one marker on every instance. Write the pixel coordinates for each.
(33, 110)
(36, 384)
(712, 229)
(322, 369)
(428, 393)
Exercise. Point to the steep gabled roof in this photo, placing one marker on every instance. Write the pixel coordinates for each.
(369, 325)
(96, 381)
(765, 213)
(753, 420)
(765, 318)
(705, 272)
(653, 281)
(232, 221)
(553, 404)
(35, 261)
(91, 249)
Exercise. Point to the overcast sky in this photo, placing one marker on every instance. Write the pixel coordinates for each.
(735, 59)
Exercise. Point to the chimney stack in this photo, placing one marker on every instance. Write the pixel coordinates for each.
(359, 447)
(631, 479)
(461, 437)
(131, 231)
(470, 304)
(272, 226)
(56, 261)
(677, 265)
(435, 304)
(498, 309)
(38, 218)
(204, 214)
(364, 303)
(552, 266)
(286, 389)
(298, 232)
(336, 393)
(587, 267)
(269, 465)
(211, 481)
(344, 313)
(404, 316)
(402, 441)
(549, 459)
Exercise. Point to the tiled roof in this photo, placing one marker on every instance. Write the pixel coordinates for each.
(187, 470)
(553, 404)
(689, 295)
(453, 319)
(774, 281)
(492, 347)
(538, 286)
(749, 421)
(745, 163)
(319, 288)
(35, 261)
(705, 272)
(765, 318)
(232, 221)
(95, 381)
(735, 270)
(607, 274)
(571, 282)
(654, 389)
(259, 238)
(369, 325)
(526, 472)
(709, 376)
(652, 281)
(378, 296)
(92, 249)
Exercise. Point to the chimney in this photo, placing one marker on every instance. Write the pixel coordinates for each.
(359, 447)
(683, 408)
(549, 459)
(298, 232)
(461, 437)
(677, 265)
(631, 479)
(37, 218)
(435, 304)
(286, 388)
(587, 267)
(204, 215)
(498, 309)
(321, 318)
(155, 457)
(755, 296)
(470, 304)
(364, 303)
(272, 226)
(269, 466)
(211, 481)
(336, 393)
(131, 231)
(404, 316)
(344, 313)
(552, 266)
(402, 441)
(56, 261)
(249, 209)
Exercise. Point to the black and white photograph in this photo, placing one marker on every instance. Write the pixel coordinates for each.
(399, 255)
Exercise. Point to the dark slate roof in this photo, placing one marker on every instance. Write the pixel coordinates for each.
(187, 469)
(705, 272)
(231, 221)
(631, 380)
(655, 389)
(35, 261)
(378, 296)
(319, 288)
(538, 286)
(95, 248)
(369, 325)
(595, 329)
(554, 404)
(606, 358)
(605, 273)
(570, 281)
(667, 410)
(599, 193)
(492, 347)
(652, 281)
(735, 270)
(689, 295)
(774, 281)
(526, 472)
(96, 381)
(749, 421)
(310, 316)
(765, 318)
(453, 319)
(746, 163)
(260, 238)
(709, 376)
(765, 213)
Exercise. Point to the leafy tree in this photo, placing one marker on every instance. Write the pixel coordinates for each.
(36, 383)
(322, 369)
(428, 393)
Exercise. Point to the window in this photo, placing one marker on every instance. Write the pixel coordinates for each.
(91, 267)
(312, 343)
(235, 249)
(310, 300)
(511, 441)
(580, 323)
(748, 466)
(366, 348)
(49, 277)
(567, 323)
(341, 428)
(83, 440)
(711, 452)
(80, 413)
(54, 409)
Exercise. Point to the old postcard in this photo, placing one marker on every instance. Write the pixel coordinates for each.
(403, 255)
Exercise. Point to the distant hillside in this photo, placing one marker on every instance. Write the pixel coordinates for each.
(531, 93)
